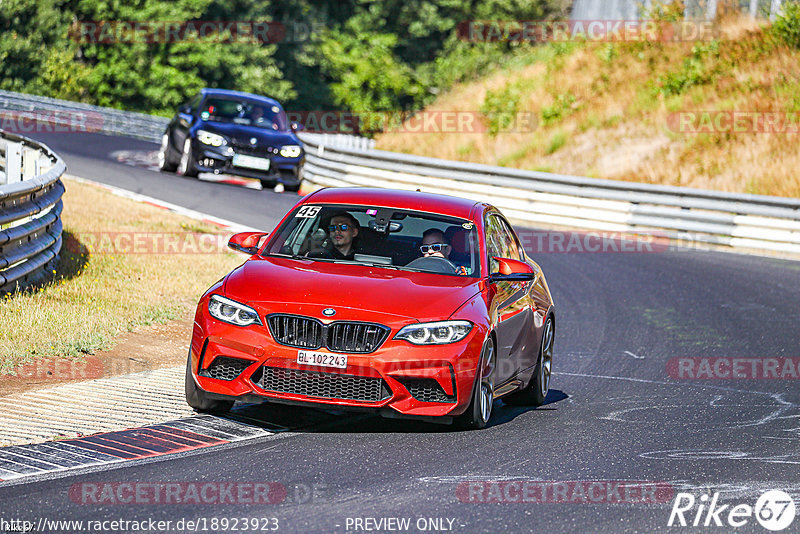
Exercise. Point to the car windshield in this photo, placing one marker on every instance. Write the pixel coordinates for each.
(244, 112)
(380, 236)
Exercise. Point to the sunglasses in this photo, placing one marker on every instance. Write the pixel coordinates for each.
(341, 227)
(436, 247)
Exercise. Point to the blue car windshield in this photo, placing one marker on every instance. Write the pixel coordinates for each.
(245, 112)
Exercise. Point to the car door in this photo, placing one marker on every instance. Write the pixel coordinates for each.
(511, 305)
(535, 303)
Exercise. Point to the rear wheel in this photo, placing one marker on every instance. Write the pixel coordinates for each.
(187, 166)
(536, 391)
(480, 409)
(164, 163)
(199, 399)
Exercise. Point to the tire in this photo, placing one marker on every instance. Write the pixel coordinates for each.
(479, 411)
(164, 163)
(187, 166)
(268, 184)
(290, 175)
(198, 399)
(536, 391)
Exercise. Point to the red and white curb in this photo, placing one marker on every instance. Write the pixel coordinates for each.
(100, 405)
(181, 435)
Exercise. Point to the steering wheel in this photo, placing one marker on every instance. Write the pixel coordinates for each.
(320, 253)
(433, 263)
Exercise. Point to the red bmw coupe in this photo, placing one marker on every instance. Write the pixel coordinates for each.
(405, 303)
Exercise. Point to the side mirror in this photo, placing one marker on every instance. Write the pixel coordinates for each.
(246, 242)
(185, 109)
(296, 127)
(513, 271)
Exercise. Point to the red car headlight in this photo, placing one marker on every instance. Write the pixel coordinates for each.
(440, 333)
(232, 312)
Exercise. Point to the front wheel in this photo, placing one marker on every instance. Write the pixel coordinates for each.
(268, 184)
(480, 409)
(187, 166)
(536, 391)
(164, 163)
(288, 176)
(199, 399)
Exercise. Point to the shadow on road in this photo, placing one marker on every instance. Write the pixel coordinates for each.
(313, 420)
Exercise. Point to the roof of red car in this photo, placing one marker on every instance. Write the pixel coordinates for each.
(395, 198)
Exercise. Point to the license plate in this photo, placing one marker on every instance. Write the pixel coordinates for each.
(322, 359)
(250, 162)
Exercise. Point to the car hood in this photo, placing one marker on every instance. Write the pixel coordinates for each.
(306, 287)
(243, 134)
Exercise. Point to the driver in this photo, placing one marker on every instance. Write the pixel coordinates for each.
(342, 230)
(257, 115)
(434, 244)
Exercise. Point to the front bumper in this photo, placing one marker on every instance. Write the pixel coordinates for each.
(219, 160)
(397, 380)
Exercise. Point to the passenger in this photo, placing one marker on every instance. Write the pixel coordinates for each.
(434, 244)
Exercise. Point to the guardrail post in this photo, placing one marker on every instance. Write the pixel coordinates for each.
(30, 163)
(712, 10)
(774, 9)
(13, 162)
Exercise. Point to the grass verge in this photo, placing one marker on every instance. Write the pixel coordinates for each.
(615, 110)
(101, 287)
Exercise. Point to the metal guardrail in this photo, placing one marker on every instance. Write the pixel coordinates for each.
(692, 9)
(738, 221)
(689, 215)
(80, 117)
(30, 210)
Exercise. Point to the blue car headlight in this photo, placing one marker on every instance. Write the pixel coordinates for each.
(232, 312)
(440, 333)
(208, 138)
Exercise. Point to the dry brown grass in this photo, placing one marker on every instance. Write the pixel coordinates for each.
(96, 296)
(618, 126)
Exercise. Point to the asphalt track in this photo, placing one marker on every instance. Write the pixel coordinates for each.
(615, 413)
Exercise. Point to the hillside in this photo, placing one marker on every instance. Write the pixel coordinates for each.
(663, 113)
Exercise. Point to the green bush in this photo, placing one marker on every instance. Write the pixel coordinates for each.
(787, 26)
(562, 107)
(697, 69)
(501, 107)
(558, 140)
